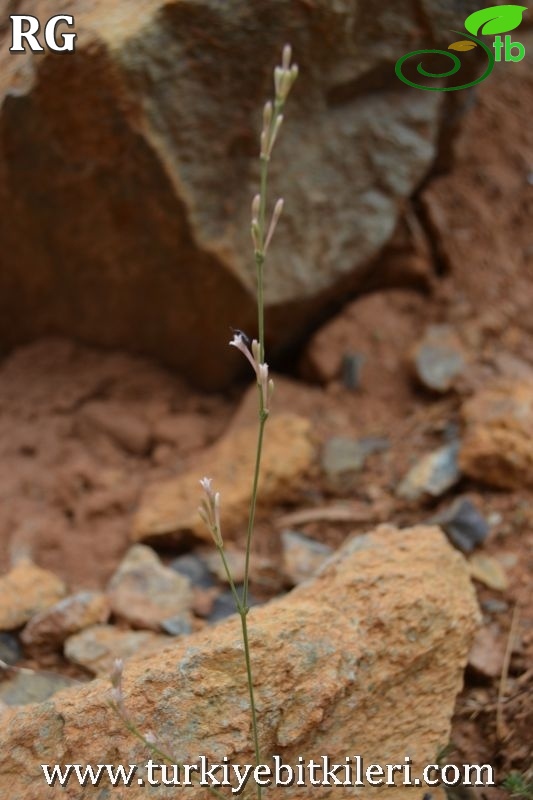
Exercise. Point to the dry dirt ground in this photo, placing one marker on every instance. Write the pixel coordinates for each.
(82, 432)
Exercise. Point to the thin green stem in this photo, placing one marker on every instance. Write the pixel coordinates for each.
(243, 607)
(259, 259)
(253, 502)
(255, 730)
(238, 602)
(260, 255)
(260, 238)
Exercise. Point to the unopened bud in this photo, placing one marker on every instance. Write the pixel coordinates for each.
(274, 136)
(256, 204)
(267, 115)
(255, 350)
(256, 238)
(278, 208)
(278, 76)
(286, 56)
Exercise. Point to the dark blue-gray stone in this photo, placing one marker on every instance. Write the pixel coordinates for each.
(463, 524)
(176, 626)
(10, 648)
(224, 605)
(194, 568)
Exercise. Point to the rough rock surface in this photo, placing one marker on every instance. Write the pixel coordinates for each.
(366, 658)
(498, 445)
(26, 590)
(170, 509)
(127, 168)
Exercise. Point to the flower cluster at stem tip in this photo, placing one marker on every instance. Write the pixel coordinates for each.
(209, 510)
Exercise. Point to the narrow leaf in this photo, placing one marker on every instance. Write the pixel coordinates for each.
(465, 44)
(495, 19)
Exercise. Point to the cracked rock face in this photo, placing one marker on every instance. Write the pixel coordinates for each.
(127, 169)
(366, 659)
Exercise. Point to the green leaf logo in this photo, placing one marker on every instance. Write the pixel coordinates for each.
(493, 20)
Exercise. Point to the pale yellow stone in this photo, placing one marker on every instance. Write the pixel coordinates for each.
(169, 510)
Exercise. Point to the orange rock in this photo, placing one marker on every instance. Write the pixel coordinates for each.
(498, 445)
(169, 510)
(26, 590)
(366, 658)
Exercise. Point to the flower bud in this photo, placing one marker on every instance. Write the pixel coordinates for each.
(286, 56)
(256, 204)
(267, 115)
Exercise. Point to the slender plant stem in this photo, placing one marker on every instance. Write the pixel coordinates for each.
(243, 606)
(253, 505)
(260, 257)
(244, 625)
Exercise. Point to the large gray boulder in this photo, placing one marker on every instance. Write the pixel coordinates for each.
(127, 168)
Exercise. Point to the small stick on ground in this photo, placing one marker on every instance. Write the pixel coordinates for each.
(501, 731)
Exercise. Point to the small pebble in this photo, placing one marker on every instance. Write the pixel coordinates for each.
(465, 527)
(488, 571)
(438, 358)
(432, 475)
(343, 457)
(10, 649)
(352, 364)
(492, 605)
(487, 653)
